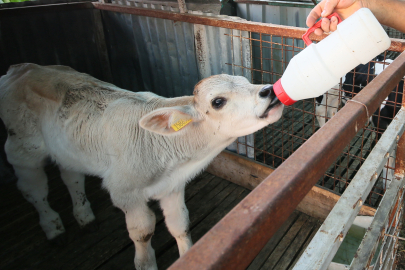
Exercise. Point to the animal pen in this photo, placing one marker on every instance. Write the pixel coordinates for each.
(299, 173)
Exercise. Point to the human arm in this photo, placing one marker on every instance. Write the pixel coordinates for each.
(388, 12)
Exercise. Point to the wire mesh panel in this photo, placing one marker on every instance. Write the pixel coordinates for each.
(275, 143)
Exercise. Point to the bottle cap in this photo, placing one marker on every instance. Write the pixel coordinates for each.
(281, 94)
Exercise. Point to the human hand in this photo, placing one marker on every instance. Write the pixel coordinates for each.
(344, 8)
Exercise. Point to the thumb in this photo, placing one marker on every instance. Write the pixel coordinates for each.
(329, 7)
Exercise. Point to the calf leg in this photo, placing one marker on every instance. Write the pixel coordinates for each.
(33, 184)
(321, 114)
(176, 218)
(141, 226)
(81, 206)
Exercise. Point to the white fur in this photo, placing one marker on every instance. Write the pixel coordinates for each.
(91, 127)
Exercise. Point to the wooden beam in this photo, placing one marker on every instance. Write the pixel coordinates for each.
(249, 174)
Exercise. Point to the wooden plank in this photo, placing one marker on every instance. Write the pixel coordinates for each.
(248, 173)
(297, 256)
(271, 245)
(115, 238)
(199, 206)
(22, 242)
(59, 201)
(239, 170)
(272, 260)
(296, 245)
(198, 230)
(36, 248)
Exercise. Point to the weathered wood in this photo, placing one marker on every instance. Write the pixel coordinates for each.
(323, 247)
(32, 243)
(271, 245)
(378, 226)
(248, 173)
(208, 199)
(298, 255)
(199, 229)
(297, 244)
(115, 239)
(273, 259)
(201, 207)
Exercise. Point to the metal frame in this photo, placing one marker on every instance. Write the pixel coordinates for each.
(397, 45)
(238, 237)
(326, 242)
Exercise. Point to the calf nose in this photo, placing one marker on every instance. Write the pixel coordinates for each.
(267, 92)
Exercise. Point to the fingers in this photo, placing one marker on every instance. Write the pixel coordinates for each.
(333, 24)
(314, 14)
(325, 25)
(325, 8)
(329, 6)
(318, 31)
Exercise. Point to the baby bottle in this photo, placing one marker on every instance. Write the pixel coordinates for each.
(317, 68)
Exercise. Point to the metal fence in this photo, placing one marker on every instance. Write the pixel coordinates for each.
(293, 144)
(276, 142)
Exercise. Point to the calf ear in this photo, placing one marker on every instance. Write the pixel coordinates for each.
(170, 120)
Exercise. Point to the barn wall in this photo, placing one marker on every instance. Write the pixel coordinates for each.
(71, 38)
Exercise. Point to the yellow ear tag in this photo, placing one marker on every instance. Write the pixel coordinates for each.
(180, 123)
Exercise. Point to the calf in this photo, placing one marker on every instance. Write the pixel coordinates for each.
(143, 146)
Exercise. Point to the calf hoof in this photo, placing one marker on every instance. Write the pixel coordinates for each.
(91, 227)
(60, 240)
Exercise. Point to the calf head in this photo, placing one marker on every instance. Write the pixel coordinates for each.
(229, 105)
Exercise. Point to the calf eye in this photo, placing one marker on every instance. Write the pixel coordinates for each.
(218, 103)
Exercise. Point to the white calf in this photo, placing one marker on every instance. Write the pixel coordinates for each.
(143, 146)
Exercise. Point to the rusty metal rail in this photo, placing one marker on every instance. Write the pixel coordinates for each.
(397, 45)
(239, 236)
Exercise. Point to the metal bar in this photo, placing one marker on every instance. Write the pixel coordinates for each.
(279, 3)
(19, 11)
(376, 230)
(240, 235)
(400, 155)
(397, 45)
(322, 249)
(182, 6)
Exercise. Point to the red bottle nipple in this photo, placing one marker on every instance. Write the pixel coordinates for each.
(281, 94)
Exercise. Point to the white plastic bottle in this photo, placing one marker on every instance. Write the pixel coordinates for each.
(317, 68)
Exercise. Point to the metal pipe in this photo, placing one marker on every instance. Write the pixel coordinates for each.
(235, 241)
(397, 45)
(18, 11)
(400, 153)
(322, 248)
(375, 232)
(182, 6)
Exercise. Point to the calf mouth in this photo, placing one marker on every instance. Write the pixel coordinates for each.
(273, 104)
